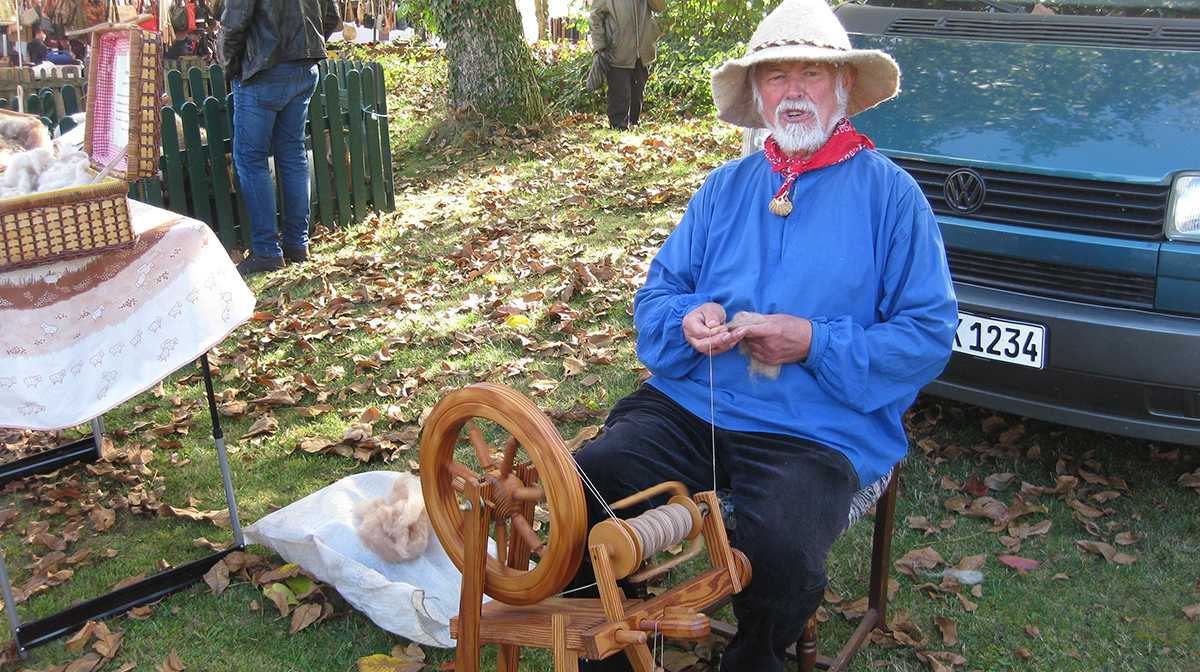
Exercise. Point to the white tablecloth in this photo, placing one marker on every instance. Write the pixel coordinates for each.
(80, 337)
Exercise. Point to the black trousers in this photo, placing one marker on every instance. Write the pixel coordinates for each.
(626, 87)
(790, 501)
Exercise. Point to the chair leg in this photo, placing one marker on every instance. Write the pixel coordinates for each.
(881, 547)
(806, 647)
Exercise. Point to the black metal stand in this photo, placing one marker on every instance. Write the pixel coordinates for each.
(71, 619)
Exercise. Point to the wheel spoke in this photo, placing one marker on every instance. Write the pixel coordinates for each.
(482, 449)
(529, 494)
(501, 537)
(510, 455)
(459, 471)
(522, 528)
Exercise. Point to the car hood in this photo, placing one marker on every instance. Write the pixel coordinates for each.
(1116, 114)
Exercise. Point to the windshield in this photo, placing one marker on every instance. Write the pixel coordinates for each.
(1150, 9)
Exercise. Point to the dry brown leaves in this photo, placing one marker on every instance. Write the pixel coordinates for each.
(105, 645)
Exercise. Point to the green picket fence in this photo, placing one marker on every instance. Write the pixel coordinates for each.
(348, 136)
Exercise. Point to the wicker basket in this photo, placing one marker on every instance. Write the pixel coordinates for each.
(123, 115)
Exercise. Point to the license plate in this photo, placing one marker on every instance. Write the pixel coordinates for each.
(1001, 340)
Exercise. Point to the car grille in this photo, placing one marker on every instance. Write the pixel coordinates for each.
(1132, 34)
(1061, 204)
(1056, 281)
(1131, 211)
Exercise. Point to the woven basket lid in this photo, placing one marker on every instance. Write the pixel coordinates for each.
(124, 98)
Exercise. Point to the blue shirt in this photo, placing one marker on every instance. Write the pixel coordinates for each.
(860, 256)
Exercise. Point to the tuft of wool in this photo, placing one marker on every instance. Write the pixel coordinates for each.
(24, 169)
(68, 171)
(396, 527)
(742, 319)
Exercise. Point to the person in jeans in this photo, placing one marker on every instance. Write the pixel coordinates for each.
(789, 319)
(270, 50)
(625, 30)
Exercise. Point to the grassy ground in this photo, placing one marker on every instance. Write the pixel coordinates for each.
(512, 257)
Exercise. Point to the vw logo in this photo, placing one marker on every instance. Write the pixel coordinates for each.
(964, 191)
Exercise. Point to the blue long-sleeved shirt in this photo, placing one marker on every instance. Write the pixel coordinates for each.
(860, 256)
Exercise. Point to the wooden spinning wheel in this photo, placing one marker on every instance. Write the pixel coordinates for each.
(548, 476)
(497, 495)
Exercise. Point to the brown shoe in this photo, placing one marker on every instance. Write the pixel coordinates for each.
(296, 255)
(255, 264)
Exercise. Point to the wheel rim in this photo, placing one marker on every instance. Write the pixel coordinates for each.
(549, 466)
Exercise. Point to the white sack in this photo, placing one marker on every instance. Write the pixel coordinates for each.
(413, 599)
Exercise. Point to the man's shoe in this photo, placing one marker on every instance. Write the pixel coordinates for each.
(296, 255)
(255, 264)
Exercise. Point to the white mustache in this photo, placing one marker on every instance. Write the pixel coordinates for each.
(797, 105)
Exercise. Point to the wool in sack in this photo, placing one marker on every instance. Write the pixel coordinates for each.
(395, 528)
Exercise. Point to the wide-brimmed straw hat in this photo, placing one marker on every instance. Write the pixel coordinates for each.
(805, 31)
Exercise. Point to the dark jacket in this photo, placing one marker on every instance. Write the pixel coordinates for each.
(37, 51)
(257, 34)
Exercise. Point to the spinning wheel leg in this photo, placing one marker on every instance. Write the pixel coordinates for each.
(565, 660)
(475, 522)
(610, 597)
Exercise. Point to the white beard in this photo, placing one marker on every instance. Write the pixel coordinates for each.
(803, 138)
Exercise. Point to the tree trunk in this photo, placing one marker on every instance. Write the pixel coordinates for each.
(541, 8)
(491, 67)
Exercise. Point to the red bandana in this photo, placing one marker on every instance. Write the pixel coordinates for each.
(843, 144)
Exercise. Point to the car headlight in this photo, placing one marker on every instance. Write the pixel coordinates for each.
(1183, 215)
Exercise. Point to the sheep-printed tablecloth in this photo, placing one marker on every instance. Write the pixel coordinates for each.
(80, 337)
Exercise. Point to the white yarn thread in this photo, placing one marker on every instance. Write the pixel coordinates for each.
(660, 528)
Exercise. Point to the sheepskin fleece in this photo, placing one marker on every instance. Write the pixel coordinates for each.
(413, 599)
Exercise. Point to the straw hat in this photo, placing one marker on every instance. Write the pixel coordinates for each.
(806, 31)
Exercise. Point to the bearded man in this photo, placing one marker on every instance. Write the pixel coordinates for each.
(835, 252)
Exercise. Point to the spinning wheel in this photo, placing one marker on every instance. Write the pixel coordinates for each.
(517, 486)
(501, 489)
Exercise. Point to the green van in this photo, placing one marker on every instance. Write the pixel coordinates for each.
(1059, 143)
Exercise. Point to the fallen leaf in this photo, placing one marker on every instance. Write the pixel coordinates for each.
(1112, 555)
(412, 653)
(384, 663)
(172, 663)
(924, 558)
(89, 663)
(304, 616)
(81, 638)
(217, 577)
(1127, 538)
(999, 481)
(949, 629)
(1192, 610)
(1018, 563)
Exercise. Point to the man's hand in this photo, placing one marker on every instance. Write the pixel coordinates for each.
(779, 339)
(706, 330)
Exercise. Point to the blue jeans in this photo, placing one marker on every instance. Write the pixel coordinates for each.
(791, 498)
(269, 115)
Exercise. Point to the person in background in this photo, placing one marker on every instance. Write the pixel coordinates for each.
(270, 50)
(37, 46)
(626, 30)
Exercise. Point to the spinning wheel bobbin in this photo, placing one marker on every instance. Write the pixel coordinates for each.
(626, 540)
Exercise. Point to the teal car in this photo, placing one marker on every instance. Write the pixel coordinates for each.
(1059, 144)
